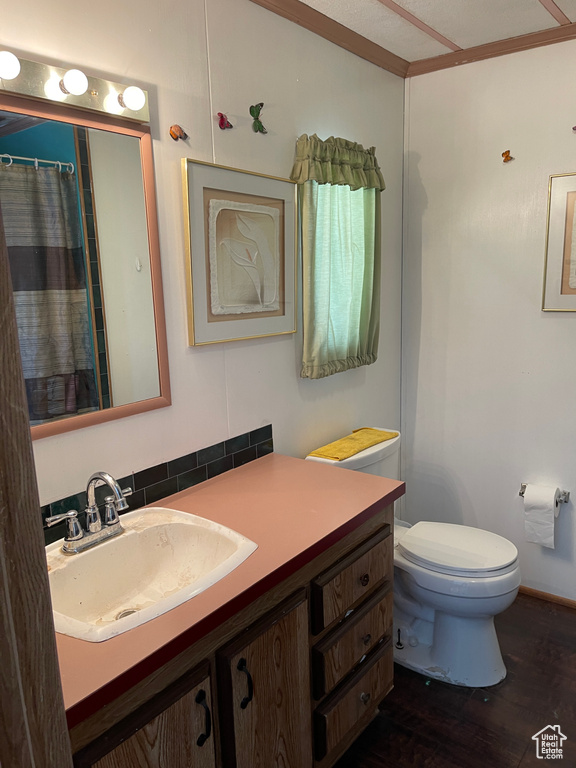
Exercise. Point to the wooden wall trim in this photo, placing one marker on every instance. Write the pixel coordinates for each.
(416, 22)
(491, 50)
(555, 11)
(566, 601)
(32, 715)
(336, 33)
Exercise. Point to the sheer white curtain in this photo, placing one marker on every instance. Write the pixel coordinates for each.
(339, 201)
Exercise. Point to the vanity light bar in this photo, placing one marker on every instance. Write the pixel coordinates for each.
(42, 81)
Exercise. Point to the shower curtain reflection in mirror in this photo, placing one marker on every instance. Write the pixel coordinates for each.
(39, 207)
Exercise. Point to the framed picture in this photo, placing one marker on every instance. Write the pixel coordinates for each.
(241, 254)
(559, 293)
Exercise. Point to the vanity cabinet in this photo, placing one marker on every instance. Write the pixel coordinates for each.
(264, 691)
(289, 680)
(173, 730)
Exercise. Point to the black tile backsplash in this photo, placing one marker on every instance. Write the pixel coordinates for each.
(260, 435)
(243, 457)
(214, 452)
(219, 466)
(159, 490)
(183, 464)
(237, 443)
(150, 476)
(150, 485)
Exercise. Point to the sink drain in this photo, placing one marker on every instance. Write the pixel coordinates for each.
(127, 612)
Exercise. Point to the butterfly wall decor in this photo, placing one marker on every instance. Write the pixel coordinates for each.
(223, 121)
(257, 125)
(176, 132)
(507, 156)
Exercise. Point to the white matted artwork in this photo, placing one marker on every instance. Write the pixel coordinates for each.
(559, 292)
(241, 254)
(244, 248)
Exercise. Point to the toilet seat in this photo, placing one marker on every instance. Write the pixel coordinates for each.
(458, 550)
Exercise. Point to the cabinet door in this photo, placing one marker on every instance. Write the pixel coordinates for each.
(264, 693)
(174, 730)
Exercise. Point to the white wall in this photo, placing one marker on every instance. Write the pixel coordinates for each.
(488, 381)
(195, 64)
(118, 194)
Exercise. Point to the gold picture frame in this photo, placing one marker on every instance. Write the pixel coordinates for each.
(241, 253)
(559, 289)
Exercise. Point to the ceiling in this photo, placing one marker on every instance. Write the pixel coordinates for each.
(412, 37)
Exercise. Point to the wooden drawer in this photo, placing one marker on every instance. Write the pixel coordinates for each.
(340, 651)
(354, 701)
(336, 590)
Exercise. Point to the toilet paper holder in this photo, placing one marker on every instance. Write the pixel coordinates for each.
(564, 496)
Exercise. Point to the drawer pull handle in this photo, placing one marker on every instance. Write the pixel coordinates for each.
(364, 698)
(203, 738)
(366, 639)
(364, 579)
(247, 699)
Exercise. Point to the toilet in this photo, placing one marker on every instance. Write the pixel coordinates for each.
(449, 583)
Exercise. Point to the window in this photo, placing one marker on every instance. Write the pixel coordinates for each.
(339, 201)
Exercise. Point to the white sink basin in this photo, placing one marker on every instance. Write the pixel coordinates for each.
(163, 558)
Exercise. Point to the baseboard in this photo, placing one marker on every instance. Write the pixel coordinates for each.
(548, 597)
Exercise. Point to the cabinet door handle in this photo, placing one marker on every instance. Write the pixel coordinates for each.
(201, 699)
(366, 639)
(364, 579)
(364, 698)
(247, 699)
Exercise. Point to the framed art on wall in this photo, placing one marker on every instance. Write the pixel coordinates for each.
(559, 292)
(241, 253)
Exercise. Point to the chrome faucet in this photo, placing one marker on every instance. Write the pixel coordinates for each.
(76, 539)
(117, 501)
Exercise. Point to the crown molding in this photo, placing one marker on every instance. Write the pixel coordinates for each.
(337, 33)
(492, 50)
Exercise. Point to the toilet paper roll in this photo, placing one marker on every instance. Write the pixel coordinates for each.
(541, 505)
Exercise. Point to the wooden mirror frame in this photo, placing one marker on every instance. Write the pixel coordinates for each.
(71, 115)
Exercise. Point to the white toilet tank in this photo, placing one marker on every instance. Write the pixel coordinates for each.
(382, 459)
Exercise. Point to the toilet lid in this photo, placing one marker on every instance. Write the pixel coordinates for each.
(457, 549)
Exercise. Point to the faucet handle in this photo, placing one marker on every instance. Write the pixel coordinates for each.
(122, 503)
(111, 516)
(74, 531)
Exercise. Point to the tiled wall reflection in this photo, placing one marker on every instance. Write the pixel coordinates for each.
(155, 483)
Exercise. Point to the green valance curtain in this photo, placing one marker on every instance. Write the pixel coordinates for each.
(339, 201)
(336, 161)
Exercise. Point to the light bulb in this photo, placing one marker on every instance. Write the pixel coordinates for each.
(133, 98)
(74, 82)
(111, 103)
(52, 88)
(9, 66)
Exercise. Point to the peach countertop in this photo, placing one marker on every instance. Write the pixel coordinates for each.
(293, 509)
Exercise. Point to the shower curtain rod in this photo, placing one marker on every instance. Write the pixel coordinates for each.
(36, 160)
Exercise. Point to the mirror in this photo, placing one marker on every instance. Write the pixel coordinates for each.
(78, 204)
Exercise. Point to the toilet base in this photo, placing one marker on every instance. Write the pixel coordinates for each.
(454, 649)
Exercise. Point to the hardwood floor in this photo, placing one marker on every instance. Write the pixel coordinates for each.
(428, 724)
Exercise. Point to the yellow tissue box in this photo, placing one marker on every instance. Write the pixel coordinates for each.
(348, 446)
